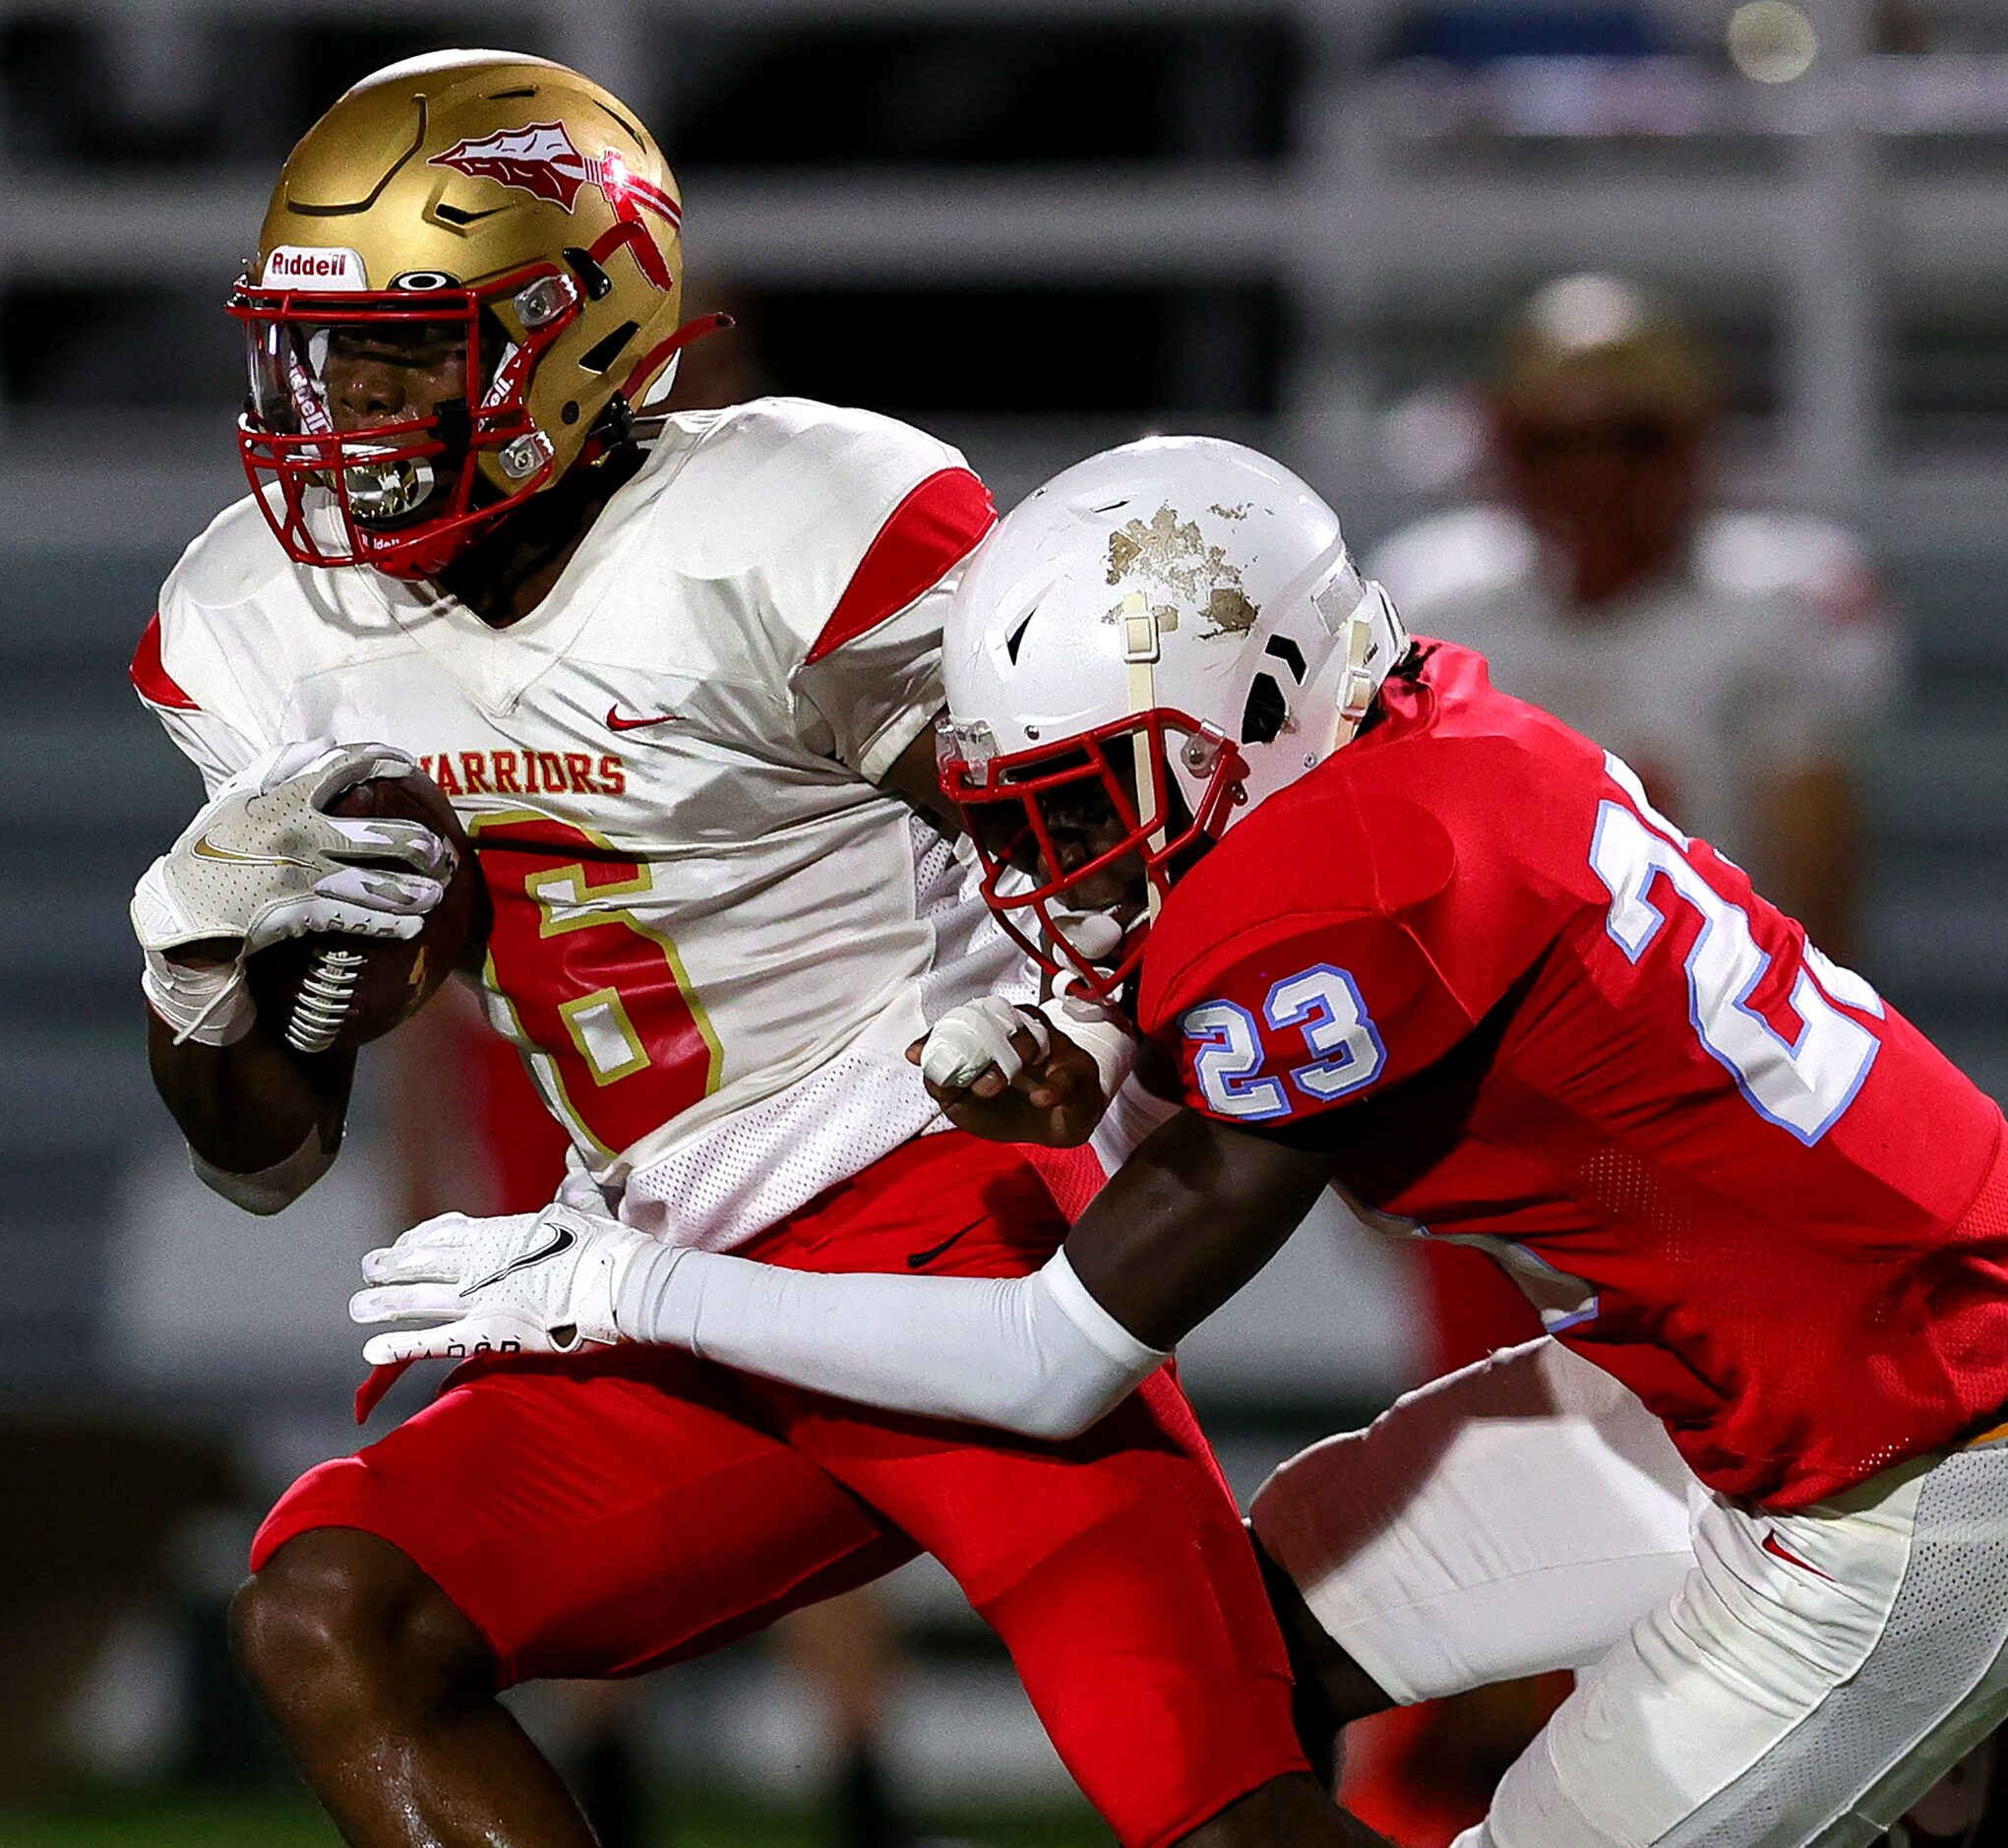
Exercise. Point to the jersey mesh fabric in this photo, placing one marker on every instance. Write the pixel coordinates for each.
(1939, 1671)
(1803, 1304)
(948, 898)
(760, 1163)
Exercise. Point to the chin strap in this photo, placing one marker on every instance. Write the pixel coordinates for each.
(1371, 640)
(1142, 648)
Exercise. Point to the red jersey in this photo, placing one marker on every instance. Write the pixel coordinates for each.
(1539, 1018)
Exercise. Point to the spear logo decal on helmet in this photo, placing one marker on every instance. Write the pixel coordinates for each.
(540, 159)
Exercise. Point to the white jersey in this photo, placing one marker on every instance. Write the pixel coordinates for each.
(1768, 653)
(714, 934)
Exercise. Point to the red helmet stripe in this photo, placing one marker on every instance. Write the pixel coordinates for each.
(929, 532)
(154, 683)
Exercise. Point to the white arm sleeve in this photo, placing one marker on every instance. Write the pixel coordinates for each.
(1036, 1355)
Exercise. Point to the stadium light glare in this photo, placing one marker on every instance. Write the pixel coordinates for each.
(1772, 41)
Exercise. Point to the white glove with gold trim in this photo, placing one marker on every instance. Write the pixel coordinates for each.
(262, 861)
(525, 1283)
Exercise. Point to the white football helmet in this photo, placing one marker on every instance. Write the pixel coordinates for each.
(1184, 597)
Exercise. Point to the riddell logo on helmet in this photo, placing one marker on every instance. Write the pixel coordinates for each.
(294, 266)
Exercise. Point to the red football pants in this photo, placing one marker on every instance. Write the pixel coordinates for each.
(606, 1514)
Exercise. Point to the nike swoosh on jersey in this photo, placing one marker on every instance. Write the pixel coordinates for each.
(1777, 1552)
(563, 1238)
(206, 849)
(616, 721)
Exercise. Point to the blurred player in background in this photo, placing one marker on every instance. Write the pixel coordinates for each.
(1738, 661)
(680, 673)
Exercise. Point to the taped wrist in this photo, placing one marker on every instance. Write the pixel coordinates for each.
(211, 1005)
(1099, 1031)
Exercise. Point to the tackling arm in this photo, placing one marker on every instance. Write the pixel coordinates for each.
(1195, 1212)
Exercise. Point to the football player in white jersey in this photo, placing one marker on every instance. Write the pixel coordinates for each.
(1734, 658)
(681, 691)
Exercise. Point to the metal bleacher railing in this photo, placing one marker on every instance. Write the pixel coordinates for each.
(1403, 188)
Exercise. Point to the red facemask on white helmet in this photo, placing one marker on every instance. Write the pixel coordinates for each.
(1153, 642)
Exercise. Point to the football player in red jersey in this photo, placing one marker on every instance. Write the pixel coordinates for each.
(1383, 927)
(678, 674)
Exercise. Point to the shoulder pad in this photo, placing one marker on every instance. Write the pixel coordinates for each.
(231, 560)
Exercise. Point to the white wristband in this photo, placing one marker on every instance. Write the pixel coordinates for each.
(211, 1005)
(1100, 1033)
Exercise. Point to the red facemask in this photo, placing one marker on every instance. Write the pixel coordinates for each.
(1065, 814)
(402, 491)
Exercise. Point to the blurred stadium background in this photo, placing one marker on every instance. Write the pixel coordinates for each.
(1038, 228)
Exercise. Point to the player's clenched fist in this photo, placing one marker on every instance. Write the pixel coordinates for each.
(1040, 1074)
(263, 860)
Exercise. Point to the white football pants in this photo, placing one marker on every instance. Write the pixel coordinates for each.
(1746, 1680)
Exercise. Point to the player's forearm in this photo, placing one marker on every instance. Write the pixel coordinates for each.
(1195, 1211)
(253, 1107)
(1193, 1216)
(1033, 1355)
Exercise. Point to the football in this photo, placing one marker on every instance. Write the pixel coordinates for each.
(335, 991)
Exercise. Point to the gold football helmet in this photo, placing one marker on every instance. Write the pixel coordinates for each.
(469, 276)
(1602, 340)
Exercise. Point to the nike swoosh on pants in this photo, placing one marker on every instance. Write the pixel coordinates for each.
(917, 1261)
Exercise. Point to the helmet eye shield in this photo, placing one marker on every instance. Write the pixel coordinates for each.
(311, 377)
(373, 410)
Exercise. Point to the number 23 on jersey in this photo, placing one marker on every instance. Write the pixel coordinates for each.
(1803, 1078)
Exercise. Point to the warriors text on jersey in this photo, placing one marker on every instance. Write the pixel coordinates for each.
(714, 934)
(1547, 1022)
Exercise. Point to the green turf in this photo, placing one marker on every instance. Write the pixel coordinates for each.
(182, 1821)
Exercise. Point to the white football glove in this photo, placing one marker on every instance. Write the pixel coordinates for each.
(525, 1283)
(262, 861)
